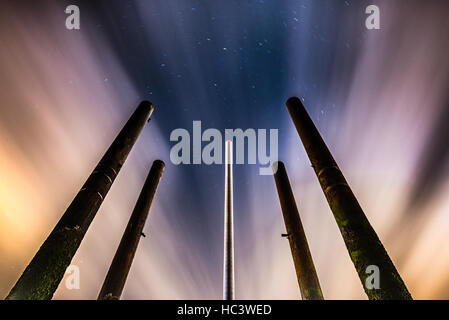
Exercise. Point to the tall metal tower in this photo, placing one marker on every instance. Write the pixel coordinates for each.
(228, 259)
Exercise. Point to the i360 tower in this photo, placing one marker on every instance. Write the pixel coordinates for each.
(228, 258)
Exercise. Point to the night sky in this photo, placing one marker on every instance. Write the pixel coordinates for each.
(380, 99)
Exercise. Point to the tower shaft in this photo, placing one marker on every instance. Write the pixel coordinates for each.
(228, 259)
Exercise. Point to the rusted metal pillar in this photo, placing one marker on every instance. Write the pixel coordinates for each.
(41, 278)
(118, 271)
(308, 282)
(362, 242)
(228, 256)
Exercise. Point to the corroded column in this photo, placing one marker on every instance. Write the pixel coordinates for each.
(41, 278)
(118, 271)
(362, 242)
(308, 282)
